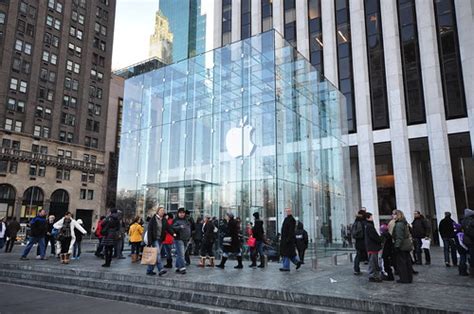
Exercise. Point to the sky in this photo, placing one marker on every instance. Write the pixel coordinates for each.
(134, 24)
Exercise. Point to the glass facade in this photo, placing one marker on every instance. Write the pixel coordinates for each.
(249, 127)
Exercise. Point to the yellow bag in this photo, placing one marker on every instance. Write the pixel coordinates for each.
(150, 255)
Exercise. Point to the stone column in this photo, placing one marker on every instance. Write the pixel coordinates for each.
(302, 41)
(256, 7)
(435, 116)
(236, 17)
(365, 140)
(329, 41)
(465, 24)
(396, 101)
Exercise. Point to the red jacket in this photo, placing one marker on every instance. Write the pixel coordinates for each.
(98, 229)
(168, 237)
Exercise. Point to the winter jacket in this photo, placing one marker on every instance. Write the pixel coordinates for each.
(301, 237)
(288, 239)
(197, 235)
(468, 225)
(387, 245)
(373, 242)
(446, 228)
(135, 233)
(73, 225)
(359, 242)
(420, 228)
(157, 229)
(169, 239)
(182, 229)
(232, 231)
(110, 230)
(38, 227)
(208, 234)
(257, 230)
(98, 229)
(12, 229)
(401, 236)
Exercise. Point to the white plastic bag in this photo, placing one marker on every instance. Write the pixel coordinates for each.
(425, 243)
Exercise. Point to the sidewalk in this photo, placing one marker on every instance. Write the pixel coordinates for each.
(435, 287)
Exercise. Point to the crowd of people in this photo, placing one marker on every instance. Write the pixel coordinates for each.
(401, 245)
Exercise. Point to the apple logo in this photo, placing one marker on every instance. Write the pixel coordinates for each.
(238, 140)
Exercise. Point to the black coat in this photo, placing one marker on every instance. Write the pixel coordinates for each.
(373, 242)
(301, 237)
(446, 228)
(420, 228)
(110, 230)
(197, 236)
(288, 239)
(360, 243)
(208, 234)
(257, 230)
(38, 226)
(12, 229)
(233, 232)
(152, 230)
(387, 243)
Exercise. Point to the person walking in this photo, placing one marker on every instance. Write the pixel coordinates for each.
(387, 253)
(76, 250)
(259, 234)
(468, 228)
(12, 232)
(3, 232)
(99, 252)
(231, 242)
(462, 250)
(421, 230)
(156, 233)
(182, 230)
(167, 245)
(67, 235)
(135, 234)
(110, 230)
(207, 244)
(358, 234)
(49, 238)
(302, 241)
(373, 243)
(288, 242)
(446, 230)
(197, 236)
(38, 232)
(403, 245)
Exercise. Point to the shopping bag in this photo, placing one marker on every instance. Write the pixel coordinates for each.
(251, 242)
(425, 243)
(149, 256)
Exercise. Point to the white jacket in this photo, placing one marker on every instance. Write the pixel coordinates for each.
(4, 229)
(74, 224)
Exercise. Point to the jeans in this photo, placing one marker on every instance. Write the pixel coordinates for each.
(76, 249)
(158, 264)
(286, 261)
(32, 241)
(180, 247)
(417, 251)
(10, 243)
(166, 251)
(108, 249)
(100, 248)
(357, 259)
(374, 268)
(450, 245)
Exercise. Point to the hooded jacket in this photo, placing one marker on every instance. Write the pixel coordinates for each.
(401, 236)
(468, 227)
(73, 225)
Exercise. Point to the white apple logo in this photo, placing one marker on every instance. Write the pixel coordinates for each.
(238, 140)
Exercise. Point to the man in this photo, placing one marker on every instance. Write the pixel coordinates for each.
(182, 229)
(420, 229)
(468, 227)
(190, 244)
(156, 233)
(197, 236)
(358, 233)
(39, 228)
(49, 239)
(446, 230)
(258, 233)
(12, 231)
(288, 242)
(373, 243)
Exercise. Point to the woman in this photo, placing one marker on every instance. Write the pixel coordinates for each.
(231, 242)
(167, 246)
(403, 245)
(208, 239)
(301, 240)
(110, 231)
(77, 245)
(67, 235)
(136, 235)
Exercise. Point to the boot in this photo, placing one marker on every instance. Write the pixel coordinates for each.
(239, 261)
(262, 262)
(169, 263)
(222, 264)
(62, 257)
(211, 261)
(134, 258)
(202, 262)
(254, 261)
(67, 258)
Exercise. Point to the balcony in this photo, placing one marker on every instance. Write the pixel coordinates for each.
(49, 160)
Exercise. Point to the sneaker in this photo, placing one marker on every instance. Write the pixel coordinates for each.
(152, 273)
(24, 258)
(38, 256)
(284, 269)
(44, 258)
(162, 272)
(298, 265)
(357, 273)
(182, 271)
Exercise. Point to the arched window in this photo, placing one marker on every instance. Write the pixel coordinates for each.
(60, 196)
(7, 200)
(59, 203)
(32, 202)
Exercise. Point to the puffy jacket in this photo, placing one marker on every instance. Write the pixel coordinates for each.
(373, 242)
(38, 226)
(401, 236)
(446, 228)
(182, 228)
(168, 236)
(257, 230)
(135, 232)
(420, 227)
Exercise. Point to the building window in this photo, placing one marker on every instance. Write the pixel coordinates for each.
(267, 15)
(8, 124)
(18, 126)
(37, 130)
(450, 60)
(13, 167)
(246, 19)
(315, 35)
(290, 21)
(86, 194)
(13, 84)
(63, 174)
(68, 119)
(90, 195)
(33, 169)
(226, 22)
(375, 55)
(2, 17)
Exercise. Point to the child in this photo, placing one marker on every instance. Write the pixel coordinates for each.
(387, 253)
(462, 250)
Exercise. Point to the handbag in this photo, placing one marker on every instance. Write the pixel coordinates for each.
(149, 256)
(227, 241)
(251, 242)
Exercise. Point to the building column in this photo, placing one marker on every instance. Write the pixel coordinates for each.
(17, 208)
(302, 40)
(465, 26)
(278, 20)
(236, 17)
(329, 41)
(365, 140)
(256, 7)
(441, 172)
(402, 169)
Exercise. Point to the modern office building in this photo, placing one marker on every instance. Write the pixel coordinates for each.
(55, 60)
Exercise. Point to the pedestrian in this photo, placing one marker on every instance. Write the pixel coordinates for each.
(197, 236)
(12, 232)
(231, 242)
(110, 231)
(302, 241)
(67, 235)
(99, 252)
(358, 234)
(3, 232)
(49, 238)
(288, 242)
(190, 244)
(373, 243)
(182, 230)
(462, 250)
(76, 251)
(259, 234)
(403, 245)
(38, 231)
(167, 245)
(208, 238)
(421, 230)
(156, 233)
(387, 253)
(446, 230)
(120, 243)
(135, 233)
(468, 228)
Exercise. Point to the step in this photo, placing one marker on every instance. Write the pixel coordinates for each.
(178, 294)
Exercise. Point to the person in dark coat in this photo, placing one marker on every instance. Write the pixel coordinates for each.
(259, 234)
(49, 239)
(468, 239)
(156, 233)
(111, 233)
(197, 236)
(403, 245)
(358, 234)
(387, 253)
(39, 228)
(446, 230)
(301, 241)
(420, 229)
(12, 231)
(231, 242)
(208, 238)
(288, 242)
(373, 243)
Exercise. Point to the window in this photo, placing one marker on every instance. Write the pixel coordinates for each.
(84, 177)
(3, 166)
(26, 67)
(90, 195)
(15, 105)
(290, 21)
(69, 137)
(18, 126)
(47, 114)
(33, 169)
(46, 132)
(45, 56)
(315, 34)
(63, 174)
(68, 119)
(11, 104)
(51, 4)
(41, 171)
(94, 143)
(57, 24)
(19, 45)
(2, 17)
(13, 84)
(23, 7)
(9, 124)
(91, 178)
(60, 153)
(23, 87)
(83, 194)
(49, 20)
(68, 154)
(59, 7)
(246, 19)
(37, 130)
(27, 49)
(226, 22)
(13, 167)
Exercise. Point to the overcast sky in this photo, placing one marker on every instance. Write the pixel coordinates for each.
(134, 23)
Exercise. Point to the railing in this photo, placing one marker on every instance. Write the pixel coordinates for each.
(49, 160)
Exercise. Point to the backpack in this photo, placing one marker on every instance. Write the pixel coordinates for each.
(358, 230)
